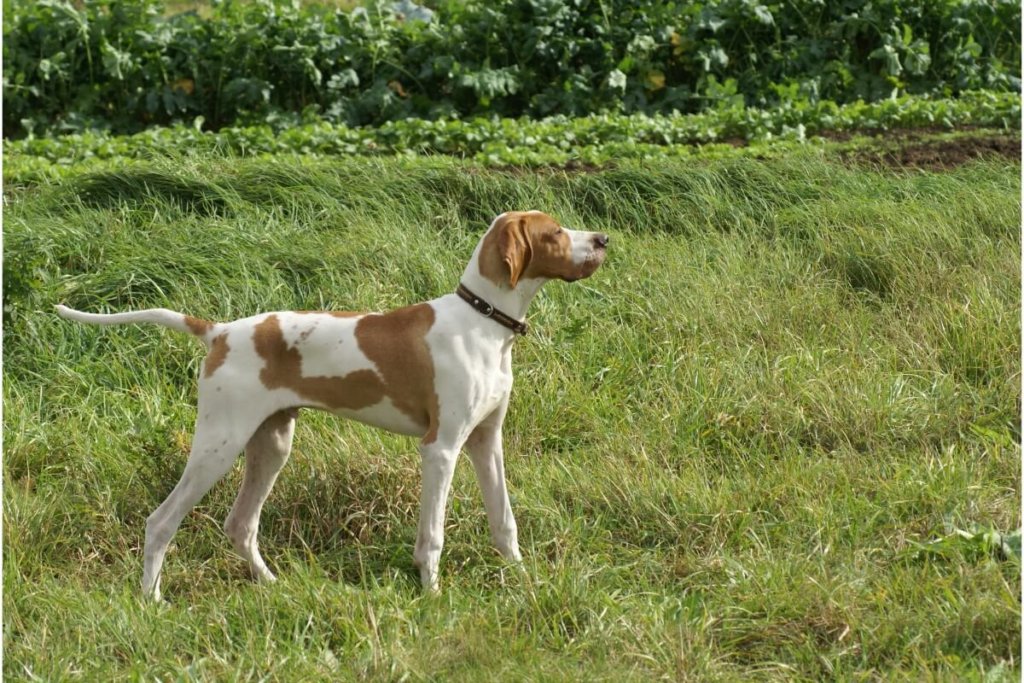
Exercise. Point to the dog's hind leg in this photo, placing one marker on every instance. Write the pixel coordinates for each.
(265, 455)
(218, 439)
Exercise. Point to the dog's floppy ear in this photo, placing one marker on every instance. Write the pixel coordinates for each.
(506, 251)
(514, 247)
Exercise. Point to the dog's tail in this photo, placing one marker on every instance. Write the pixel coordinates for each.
(161, 316)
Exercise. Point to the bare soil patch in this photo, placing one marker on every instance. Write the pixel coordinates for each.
(909, 150)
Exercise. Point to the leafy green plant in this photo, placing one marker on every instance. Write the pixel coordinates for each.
(593, 139)
(125, 66)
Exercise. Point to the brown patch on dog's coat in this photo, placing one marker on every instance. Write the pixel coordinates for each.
(198, 326)
(218, 354)
(283, 370)
(396, 343)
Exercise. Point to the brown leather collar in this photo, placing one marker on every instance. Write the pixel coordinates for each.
(489, 311)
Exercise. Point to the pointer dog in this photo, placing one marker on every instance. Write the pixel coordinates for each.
(439, 370)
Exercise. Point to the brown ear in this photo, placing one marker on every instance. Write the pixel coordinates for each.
(506, 251)
(514, 247)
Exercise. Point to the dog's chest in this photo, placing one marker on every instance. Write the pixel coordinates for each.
(473, 379)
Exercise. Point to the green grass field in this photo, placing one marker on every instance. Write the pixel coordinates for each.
(728, 451)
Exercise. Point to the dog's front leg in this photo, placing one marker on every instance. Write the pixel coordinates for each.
(438, 465)
(486, 452)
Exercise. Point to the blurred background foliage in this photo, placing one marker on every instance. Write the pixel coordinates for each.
(126, 66)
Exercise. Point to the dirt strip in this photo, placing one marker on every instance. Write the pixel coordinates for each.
(909, 150)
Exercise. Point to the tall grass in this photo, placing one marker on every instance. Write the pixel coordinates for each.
(723, 448)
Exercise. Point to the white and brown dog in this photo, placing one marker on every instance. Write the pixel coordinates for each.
(440, 370)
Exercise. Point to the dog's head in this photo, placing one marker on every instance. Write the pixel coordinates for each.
(523, 245)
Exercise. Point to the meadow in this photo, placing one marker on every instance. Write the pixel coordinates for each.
(741, 451)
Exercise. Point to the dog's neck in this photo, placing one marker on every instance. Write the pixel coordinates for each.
(513, 301)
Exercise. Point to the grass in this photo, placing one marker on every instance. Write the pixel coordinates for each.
(725, 450)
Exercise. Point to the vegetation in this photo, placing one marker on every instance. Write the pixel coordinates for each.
(777, 436)
(126, 66)
(594, 139)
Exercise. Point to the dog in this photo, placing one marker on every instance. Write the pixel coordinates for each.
(440, 371)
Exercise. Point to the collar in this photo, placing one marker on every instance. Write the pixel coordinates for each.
(489, 311)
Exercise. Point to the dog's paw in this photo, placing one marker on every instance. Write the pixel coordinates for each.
(264, 575)
(429, 581)
(152, 594)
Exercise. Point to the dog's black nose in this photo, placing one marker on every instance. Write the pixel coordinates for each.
(601, 240)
